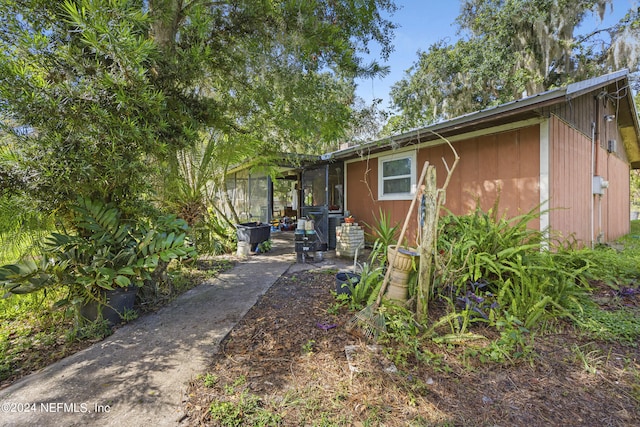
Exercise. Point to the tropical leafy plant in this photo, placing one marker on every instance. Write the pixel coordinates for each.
(105, 252)
(383, 234)
(499, 269)
(368, 287)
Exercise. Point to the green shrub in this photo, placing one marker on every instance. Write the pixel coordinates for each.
(366, 291)
(213, 236)
(105, 252)
(497, 268)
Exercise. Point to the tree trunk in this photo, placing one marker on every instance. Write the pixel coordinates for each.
(427, 243)
(167, 16)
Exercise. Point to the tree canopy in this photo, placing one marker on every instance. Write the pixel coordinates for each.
(510, 49)
(95, 94)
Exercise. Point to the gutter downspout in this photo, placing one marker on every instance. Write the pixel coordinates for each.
(595, 139)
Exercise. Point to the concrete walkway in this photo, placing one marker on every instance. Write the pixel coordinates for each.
(139, 375)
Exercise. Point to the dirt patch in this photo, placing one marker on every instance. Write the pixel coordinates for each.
(285, 364)
(613, 298)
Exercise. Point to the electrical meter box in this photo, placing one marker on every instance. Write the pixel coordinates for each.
(599, 185)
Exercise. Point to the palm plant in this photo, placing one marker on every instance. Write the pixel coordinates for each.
(189, 190)
(383, 234)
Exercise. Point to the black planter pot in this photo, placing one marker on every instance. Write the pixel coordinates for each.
(253, 233)
(118, 300)
(344, 280)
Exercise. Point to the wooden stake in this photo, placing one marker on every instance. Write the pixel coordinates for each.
(434, 199)
(427, 243)
(385, 281)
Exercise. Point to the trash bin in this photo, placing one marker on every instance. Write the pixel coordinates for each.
(253, 233)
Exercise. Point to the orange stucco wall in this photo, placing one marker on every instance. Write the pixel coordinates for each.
(506, 163)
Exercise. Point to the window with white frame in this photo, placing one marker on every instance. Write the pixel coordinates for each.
(397, 176)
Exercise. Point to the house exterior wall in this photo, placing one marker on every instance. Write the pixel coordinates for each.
(504, 165)
(508, 165)
(583, 111)
(614, 167)
(616, 202)
(580, 112)
(570, 189)
(575, 212)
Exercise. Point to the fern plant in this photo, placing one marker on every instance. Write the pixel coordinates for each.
(525, 281)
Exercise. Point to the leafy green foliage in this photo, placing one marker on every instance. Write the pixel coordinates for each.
(480, 245)
(106, 252)
(515, 342)
(247, 410)
(510, 49)
(372, 272)
(209, 380)
(87, 112)
(101, 95)
(509, 273)
(36, 329)
(212, 236)
(606, 264)
(498, 273)
(33, 330)
(383, 234)
(265, 246)
(618, 325)
(368, 287)
(187, 191)
(402, 330)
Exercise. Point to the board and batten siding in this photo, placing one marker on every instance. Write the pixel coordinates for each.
(574, 208)
(570, 182)
(505, 165)
(616, 202)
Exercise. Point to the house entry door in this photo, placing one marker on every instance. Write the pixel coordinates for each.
(322, 198)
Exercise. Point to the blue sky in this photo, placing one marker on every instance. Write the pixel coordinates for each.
(424, 22)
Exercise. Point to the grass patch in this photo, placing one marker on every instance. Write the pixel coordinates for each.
(31, 327)
(620, 325)
(245, 409)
